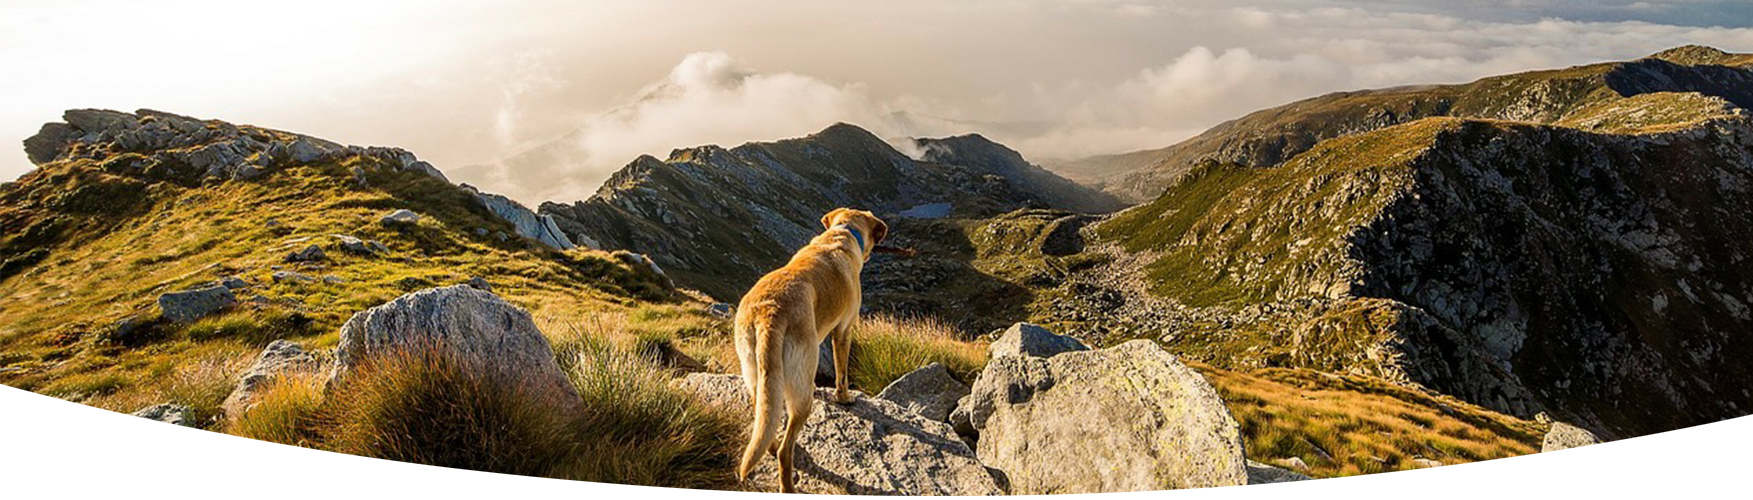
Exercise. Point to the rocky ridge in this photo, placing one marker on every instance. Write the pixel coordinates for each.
(717, 218)
(1272, 136)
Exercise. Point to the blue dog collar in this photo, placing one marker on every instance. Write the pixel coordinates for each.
(855, 234)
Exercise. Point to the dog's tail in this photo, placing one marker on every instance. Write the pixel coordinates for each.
(768, 402)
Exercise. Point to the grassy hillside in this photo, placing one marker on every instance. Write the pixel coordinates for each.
(103, 238)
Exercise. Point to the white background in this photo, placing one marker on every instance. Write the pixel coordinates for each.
(55, 449)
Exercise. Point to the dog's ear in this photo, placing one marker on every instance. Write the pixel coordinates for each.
(828, 218)
(878, 231)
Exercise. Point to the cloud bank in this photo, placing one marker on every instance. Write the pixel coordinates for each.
(592, 85)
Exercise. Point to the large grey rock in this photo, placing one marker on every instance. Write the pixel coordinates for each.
(530, 225)
(930, 391)
(1127, 418)
(1031, 340)
(280, 358)
(191, 305)
(1259, 473)
(1564, 436)
(478, 329)
(174, 414)
(868, 447)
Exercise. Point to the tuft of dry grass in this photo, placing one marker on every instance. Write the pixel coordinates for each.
(284, 412)
(421, 406)
(886, 347)
(639, 430)
(1342, 425)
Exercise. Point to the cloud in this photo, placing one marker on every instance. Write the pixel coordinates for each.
(707, 98)
(468, 83)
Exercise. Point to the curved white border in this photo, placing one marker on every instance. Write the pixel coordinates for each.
(58, 449)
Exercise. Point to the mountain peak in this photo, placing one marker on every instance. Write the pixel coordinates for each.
(1694, 54)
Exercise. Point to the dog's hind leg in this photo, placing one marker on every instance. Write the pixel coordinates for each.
(798, 403)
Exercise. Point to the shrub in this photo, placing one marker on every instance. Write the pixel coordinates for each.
(424, 407)
(885, 347)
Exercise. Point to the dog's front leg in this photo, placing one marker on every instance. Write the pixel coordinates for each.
(842, 339)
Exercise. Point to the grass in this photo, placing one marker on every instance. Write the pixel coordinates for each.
(886, 347)
(425, 407)
(1342, 425)
(638, 430)
(284, 412)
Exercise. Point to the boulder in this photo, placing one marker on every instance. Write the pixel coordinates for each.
(1127, 418)
(168, 413)
(1032, 340)
(310, 253)
(1564, 436)
(400, 217)
(289, 276)
(191, 305)
(363, 247)
(1259, 473)
(929, 391)
(480, 330)
(233, 283)
(868, 447)
(721, 310)
(279, 358)
(309, 149)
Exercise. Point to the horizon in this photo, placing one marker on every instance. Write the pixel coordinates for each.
(467, 86)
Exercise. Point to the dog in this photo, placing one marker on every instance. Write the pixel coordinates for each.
(782, 321)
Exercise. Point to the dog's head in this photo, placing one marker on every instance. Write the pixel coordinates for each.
(874, 229)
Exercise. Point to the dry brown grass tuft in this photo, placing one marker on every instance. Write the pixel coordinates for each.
(283, 412)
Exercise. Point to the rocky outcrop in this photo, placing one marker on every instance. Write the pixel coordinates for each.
(173, 414)
(180, 147)
(481, 331)
(191, 305)
(1563, 436)
(1127, 418)
(280, 358)
(868, 447)
(929, 391)
(539, 227)
(1520, 267)
(1024, 339)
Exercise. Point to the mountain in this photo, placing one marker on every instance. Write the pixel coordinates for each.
(1272, 136)
(1588, 264)
(718, 218)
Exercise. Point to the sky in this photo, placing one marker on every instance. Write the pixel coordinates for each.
(469, 83)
